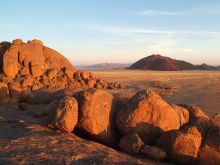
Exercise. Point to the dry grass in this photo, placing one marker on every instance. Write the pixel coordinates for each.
(201, 88)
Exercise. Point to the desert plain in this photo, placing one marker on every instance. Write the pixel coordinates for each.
(201, 88)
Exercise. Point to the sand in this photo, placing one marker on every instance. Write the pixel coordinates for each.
(201, 88)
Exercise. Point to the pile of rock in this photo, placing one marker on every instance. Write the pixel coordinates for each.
(39, 78)
(32, 66)
(145, 124)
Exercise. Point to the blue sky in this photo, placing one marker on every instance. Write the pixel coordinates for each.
(122, 31)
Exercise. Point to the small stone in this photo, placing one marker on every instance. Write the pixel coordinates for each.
(131, 143)
(153, 152)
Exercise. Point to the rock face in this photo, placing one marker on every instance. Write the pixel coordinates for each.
(148, 115)
(210, 151)
(65, 115)
(153, 152)
(96, 115)
(131, 143)
(181, 146)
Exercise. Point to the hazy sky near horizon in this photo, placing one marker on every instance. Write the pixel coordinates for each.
(121, 31)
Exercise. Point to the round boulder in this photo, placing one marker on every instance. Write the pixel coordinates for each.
(181, 146)
(147, 114)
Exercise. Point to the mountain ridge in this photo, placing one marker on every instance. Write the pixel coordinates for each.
(107, 65)
(162, 63)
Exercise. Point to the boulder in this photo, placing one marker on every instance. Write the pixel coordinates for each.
(147, 114)
(210, 151)
(194, 111)
(85, 75)
(36, 70)
(65, 115)
(131, 143)
(181, 146)
(182, 113)
(17, 42)
(25, 71)
(96, 115)
(32, 51)
(91, 83)
(27, 81)
(10, 61)
(3, 47)
(153, 152)
(52, 73)
(202, 125)
(69, 72)
(76, 75)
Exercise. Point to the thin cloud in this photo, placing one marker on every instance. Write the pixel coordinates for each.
(132, 31)
(120, 30)
(160, 13)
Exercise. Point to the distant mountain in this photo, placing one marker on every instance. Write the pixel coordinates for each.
(162, 63)
(206, 67)
(108, 66)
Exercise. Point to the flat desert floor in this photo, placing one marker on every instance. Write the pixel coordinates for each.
(200, 88)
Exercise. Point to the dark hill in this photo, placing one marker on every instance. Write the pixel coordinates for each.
(162, 63)
(206, 67)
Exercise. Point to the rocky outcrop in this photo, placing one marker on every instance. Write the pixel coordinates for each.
(32, 66)
(148, 115)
